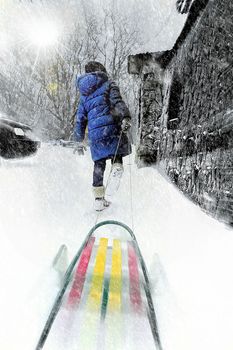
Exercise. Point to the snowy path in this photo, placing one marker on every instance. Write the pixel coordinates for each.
(46, 201)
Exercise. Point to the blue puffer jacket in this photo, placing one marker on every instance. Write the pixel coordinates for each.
(102, 109)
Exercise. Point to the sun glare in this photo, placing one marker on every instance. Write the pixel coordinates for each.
(3, 42)
(43, 33)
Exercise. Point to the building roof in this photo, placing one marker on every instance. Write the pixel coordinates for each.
(164, 57)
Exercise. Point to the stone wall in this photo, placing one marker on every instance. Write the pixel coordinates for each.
(186, 107)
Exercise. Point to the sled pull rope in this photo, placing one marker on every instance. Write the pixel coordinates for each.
(114, 159)
(130, 180)
(131, 190)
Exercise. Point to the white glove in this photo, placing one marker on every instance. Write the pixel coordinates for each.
(126, 124)
(80, 148)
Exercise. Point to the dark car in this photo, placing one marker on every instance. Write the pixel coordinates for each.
(16, 139)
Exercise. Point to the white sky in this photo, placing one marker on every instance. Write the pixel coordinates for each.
(157, 19)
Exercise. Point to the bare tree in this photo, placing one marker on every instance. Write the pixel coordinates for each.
(40, 89)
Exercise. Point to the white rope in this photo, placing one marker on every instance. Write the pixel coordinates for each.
(131, 192)
(130, 181)
(114, 159)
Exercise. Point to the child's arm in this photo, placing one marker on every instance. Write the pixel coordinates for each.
(118, 106)
(81, 122)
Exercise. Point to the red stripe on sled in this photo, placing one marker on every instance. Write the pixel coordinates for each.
(80, 274)
(134, 285)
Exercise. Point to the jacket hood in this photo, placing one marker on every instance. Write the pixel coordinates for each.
(90, 82)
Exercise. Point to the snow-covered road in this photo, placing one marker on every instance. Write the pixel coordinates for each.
(47, 200)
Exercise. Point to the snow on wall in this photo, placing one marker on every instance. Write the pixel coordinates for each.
(191, 129)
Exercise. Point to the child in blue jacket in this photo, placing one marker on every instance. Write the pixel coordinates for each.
(107, 117)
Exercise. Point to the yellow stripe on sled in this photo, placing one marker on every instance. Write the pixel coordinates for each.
(114, 301)
(95, 294)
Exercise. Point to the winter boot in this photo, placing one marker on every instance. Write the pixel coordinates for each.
(115, 178)
(100, 201)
